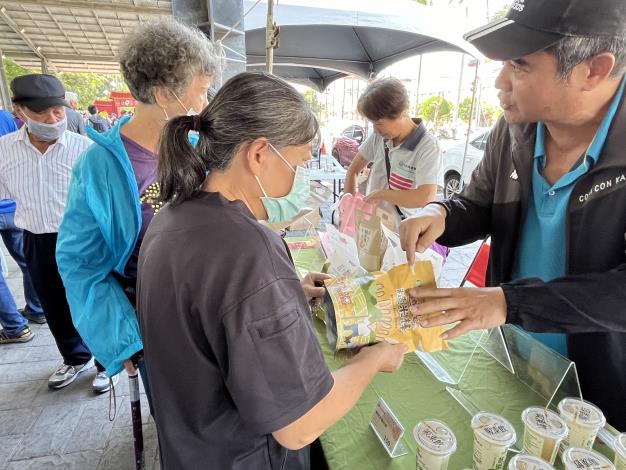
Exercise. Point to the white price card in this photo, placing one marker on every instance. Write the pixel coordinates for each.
(388, 429)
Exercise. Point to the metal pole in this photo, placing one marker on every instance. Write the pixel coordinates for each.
(469, 126)
(458, 95)
(419, 83)
(343, 101)
(5, 96)
(269, 37)
(44, 66)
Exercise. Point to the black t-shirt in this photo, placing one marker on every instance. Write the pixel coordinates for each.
(229, 345)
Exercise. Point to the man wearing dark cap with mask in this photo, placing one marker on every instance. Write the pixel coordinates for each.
(35, 171)
(550, 191)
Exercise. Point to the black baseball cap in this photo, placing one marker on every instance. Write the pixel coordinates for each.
(38, 91)
(533, 25)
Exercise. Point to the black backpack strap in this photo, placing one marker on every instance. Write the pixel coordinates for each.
(421, 131)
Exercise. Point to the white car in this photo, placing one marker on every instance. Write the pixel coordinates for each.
(452, 162)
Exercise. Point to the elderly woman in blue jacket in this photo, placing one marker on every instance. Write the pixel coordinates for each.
(114, 191)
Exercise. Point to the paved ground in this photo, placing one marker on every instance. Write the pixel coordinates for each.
(70, 428)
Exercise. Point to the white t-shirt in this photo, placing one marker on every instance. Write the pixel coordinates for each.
(411, 165)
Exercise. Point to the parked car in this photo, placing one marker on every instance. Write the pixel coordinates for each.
(452, 165)
(346, 146)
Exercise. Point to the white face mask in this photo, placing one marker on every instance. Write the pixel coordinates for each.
(190, 111)
(46, 132)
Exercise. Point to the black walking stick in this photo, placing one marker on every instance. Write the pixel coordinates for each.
(135, 410)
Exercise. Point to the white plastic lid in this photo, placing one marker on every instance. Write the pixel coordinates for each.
(575, 458)
(581, 412)
(545, 422)
(528, 462)
(494, 429)
(620, 444)
(435, 437)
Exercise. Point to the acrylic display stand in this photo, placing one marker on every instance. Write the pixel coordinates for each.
(504, 371)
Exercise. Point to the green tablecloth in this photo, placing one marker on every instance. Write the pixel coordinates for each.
(414, 394)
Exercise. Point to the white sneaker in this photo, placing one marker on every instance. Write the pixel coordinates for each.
(101, 382)
(65, 374)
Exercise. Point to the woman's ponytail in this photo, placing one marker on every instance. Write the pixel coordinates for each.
(182, 168)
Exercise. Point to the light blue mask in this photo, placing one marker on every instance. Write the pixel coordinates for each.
(286, 207)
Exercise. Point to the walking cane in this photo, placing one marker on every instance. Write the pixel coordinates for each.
(135, 410)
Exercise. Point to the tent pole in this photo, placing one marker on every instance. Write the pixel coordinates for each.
(269, 38)
(469, 125)
(459, 91)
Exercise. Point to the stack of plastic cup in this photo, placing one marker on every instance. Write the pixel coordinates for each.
(528, 462)
(435, 444)
(544, 431)
(620, 452)
(583, 419)
(493, 436)
(584, 459)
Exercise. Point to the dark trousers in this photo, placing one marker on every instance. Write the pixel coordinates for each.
(39, 251)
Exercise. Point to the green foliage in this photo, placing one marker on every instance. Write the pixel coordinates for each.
(310, 96)
(501, 13)
(489, 114)
(12, 70)
(465, 109)
(88, 86)
(436, 109)
(423, 2)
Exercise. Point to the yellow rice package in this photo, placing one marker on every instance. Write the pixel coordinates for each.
(375, 307)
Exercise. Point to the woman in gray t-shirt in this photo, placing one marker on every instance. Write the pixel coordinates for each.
(237, 376)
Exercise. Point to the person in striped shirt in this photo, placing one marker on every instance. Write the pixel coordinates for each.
(35, 171)
(405, 157)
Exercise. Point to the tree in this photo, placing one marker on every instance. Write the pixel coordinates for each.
(465, 109)
(310, 96)
(90, 86)
(12, 70)
(436, 109)
(489, 114)
(501, 13)
(423, 2)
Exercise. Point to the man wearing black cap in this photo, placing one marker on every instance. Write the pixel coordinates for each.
(550, 191)
(35, 171)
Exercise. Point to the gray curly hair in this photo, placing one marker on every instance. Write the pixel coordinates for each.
(165, 53)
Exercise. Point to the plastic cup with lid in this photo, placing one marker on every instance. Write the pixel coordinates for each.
(544, 431)
(576, 458)
(435, 444)
(493, 436)
(620, 452)
(583, 419)
(528, 462)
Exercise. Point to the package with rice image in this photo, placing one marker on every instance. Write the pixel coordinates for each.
(375, 307)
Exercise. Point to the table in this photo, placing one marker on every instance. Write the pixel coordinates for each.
(329, 169)
(414, 394)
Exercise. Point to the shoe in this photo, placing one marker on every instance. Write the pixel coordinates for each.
(31, 316)
(66, 374)
(23, 336)
(101, 382)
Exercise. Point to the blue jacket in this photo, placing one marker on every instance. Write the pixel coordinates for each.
(97, 236)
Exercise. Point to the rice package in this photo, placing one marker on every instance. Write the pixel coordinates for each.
(375, 307)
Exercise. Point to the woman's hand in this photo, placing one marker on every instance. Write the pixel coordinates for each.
(310, 289)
